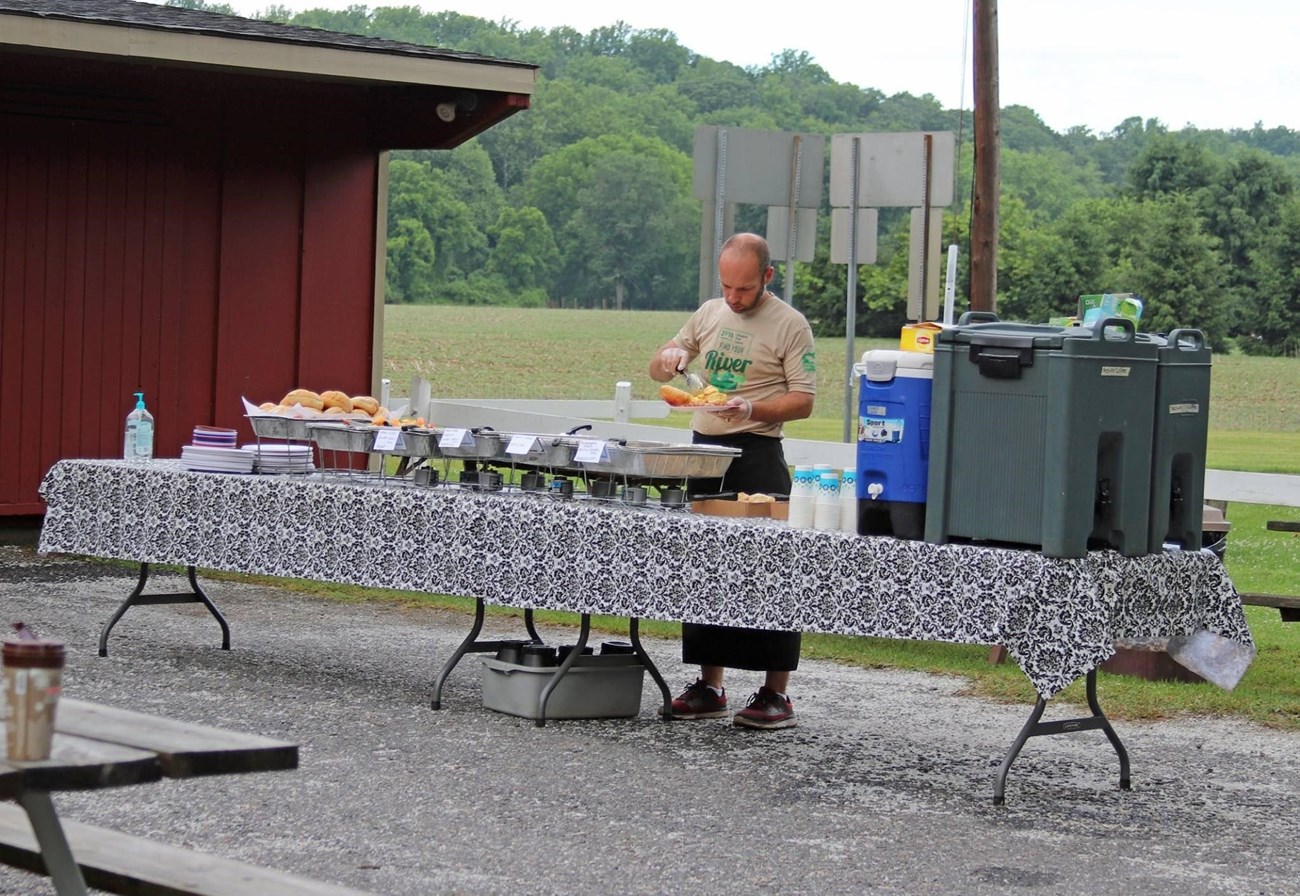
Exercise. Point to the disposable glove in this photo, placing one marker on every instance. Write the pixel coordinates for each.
(673, 360)
(738, 409)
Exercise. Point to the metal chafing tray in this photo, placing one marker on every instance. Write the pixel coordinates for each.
(357, 439)
(487, 445)
(418, 443)
(269, 426)
(547, 451)
(631, 459)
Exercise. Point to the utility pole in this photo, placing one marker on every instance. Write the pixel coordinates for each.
(984, 218)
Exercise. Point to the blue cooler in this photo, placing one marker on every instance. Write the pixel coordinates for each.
(893, 441)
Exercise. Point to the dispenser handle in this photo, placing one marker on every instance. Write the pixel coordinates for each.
(1187, 339)
(1105, 329)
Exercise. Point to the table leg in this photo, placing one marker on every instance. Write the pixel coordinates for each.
(55, 852)
(584, 629)
(1033, 727)
(471, 644)
(634, 635)
(139, 598)
(459, 652)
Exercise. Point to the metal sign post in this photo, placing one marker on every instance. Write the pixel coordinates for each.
(738, 166)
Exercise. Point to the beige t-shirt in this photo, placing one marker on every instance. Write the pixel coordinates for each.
(762, 354)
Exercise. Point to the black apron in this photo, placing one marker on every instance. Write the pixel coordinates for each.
(761, 467)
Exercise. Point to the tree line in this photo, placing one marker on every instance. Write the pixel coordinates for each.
(584, 200)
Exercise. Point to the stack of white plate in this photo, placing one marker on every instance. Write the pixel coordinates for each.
(216, 460)
(214, 437)
(276, 457)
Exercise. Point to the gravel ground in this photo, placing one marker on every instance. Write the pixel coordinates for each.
(884, 787)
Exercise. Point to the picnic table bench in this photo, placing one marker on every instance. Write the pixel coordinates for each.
(1286, 604)
(97, 746)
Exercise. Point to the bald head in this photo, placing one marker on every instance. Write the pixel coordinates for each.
(744, 269)
(750, 244)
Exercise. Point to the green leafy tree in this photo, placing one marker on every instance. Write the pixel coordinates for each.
(408, 275)
(1174, 264)
(1271, 324)
(1048, 182)
(1171, 164)
(656, 52)
(1023, 131)
(632, 233)
(524, 255)
(712, 86)
(420, 198)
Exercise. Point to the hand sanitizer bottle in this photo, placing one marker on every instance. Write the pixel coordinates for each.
(138, 444)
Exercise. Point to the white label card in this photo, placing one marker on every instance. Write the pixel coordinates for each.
(452, 438)
(388, 438)
(590, 451)
(520, 444)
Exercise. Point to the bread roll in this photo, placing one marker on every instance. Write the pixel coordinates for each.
(332, 398)
(335, 409)
(268, 406)
(678, 398)
(304, 397)
(366, 404)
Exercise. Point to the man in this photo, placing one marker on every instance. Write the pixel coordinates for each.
(759, 351)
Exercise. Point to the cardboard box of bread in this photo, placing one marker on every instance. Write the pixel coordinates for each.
(741, 504)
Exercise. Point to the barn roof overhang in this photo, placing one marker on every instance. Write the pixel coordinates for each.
(421, 97)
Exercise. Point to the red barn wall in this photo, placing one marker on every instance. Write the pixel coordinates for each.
(199, 237)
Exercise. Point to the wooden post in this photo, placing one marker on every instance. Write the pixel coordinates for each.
(984, 217)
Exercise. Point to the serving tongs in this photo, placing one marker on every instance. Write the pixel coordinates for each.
(694, 382)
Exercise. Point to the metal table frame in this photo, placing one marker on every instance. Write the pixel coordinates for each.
(138, 598)
(472, 644)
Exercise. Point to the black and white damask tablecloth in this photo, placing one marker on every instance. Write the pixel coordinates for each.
(1058, 618)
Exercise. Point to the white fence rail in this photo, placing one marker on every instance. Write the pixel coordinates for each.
(1252, 488)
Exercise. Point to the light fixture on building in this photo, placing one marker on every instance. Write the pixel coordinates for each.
(446, 112)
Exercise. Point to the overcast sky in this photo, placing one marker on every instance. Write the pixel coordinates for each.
(1208, 63)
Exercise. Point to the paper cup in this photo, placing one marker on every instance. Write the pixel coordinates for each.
(33, 674)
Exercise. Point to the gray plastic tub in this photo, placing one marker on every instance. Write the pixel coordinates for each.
(601, 686)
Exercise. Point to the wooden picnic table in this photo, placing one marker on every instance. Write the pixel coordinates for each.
(96, 747)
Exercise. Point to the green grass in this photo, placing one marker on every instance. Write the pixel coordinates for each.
(551, 353)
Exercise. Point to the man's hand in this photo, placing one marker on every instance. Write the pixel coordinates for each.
(737, 409)
(673, 360)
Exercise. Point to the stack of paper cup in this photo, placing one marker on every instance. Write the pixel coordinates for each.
(803, 495)
(849, 501)
(826, 513)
